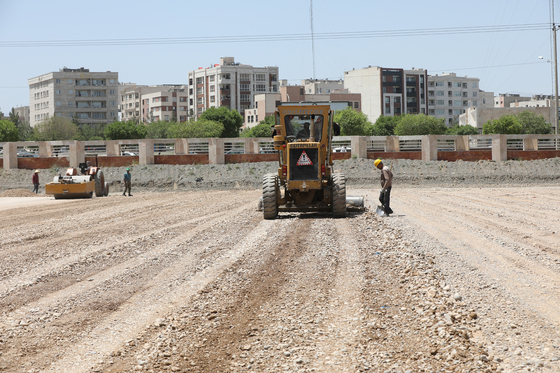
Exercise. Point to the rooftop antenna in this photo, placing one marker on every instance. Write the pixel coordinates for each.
(312, 37)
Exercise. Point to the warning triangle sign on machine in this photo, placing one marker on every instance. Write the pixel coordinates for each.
(304, 160)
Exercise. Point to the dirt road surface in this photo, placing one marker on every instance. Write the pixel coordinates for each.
(458, 280)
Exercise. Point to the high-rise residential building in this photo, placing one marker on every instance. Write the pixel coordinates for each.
(388, 91)
(89, 96)
(160, 102)
(450, 95)
(229, 84)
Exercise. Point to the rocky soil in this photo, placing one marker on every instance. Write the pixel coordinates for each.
(359, 173)
(464, 277)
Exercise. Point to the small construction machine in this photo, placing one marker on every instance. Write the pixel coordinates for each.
(79, 185)
(305, 180)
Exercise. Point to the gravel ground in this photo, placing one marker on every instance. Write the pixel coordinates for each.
(359, 173)
(462, 278)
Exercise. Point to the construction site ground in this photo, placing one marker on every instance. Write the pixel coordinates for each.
(457, 280)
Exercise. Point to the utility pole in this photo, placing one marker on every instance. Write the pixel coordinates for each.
(554, 29)
(312, 37)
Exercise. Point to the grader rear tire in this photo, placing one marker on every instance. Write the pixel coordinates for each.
(339, 196)
(99, 183)
(270, 207)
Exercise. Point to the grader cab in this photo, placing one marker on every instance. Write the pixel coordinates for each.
(305, 180)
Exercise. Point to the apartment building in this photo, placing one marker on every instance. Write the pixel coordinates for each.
(229, 84)
(450, 95)
(167, 105)
(389, 91)
(90, 96)
(158, 102)
(23, 113)
(266, 103)
(506, 99)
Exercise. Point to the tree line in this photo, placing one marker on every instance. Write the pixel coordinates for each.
(226, 123)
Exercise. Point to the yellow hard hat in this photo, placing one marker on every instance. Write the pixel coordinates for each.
(377, 162)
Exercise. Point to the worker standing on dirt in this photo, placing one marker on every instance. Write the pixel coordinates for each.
(35, 180)
(127, 182)
(386, 185)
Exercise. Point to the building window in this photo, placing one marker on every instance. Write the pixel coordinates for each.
(450, 112)
(59, 103)
(456, 103)
(111, 81)
(70, 81)
(357, 104)
(225, 76)
(475, 93)
(70, 91)
(199, 91)
(260, 77)
(212, 99)
(475, 103)
(456, 84)
(199, 81)
(70, 103)
(387, 99)
(273, 77)
(457, 112)
(457, 93)
(97, 82)
(475, 85)
(112, 92)
(245, 87)
(261, 87)
(440, 93)
(57, 81)
(384, 78)
(212, 88)
(211, 78)
(245, 98)
(439, 84)
(431, 112)
(440, 102)
(465, 103)
(182, 99)
(245, 77)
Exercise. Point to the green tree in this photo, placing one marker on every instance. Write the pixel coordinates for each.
(8, 131)
(159, 129)
(352, 122)
(125, 130)
(25, 131)
(196, 129)
(420, 124)
(91, 132)
(385, 126)
(230, 119)
(506, 125)
(14, 118)
(462, 130)
(532, 123)
(260, 130)
(56, 129)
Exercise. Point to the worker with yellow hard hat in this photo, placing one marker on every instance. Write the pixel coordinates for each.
(386, 186)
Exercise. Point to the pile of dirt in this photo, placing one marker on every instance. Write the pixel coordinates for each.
(20, 193)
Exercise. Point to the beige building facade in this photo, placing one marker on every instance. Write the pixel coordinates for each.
(389, 91)
(90, 96)
(476, 117)
(450, 95)
(144, 102)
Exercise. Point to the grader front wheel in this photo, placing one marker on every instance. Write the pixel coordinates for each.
(270, 207)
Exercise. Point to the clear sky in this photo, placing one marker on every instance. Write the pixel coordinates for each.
(505, 61)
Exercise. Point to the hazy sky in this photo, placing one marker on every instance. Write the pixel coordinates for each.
(505, 61)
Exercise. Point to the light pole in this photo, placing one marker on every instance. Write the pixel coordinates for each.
(555, 85)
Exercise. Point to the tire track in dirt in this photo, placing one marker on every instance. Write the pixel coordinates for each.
(56, 314)
(466, 234)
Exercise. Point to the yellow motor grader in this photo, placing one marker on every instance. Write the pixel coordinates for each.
(79, 184)
(305, 180)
